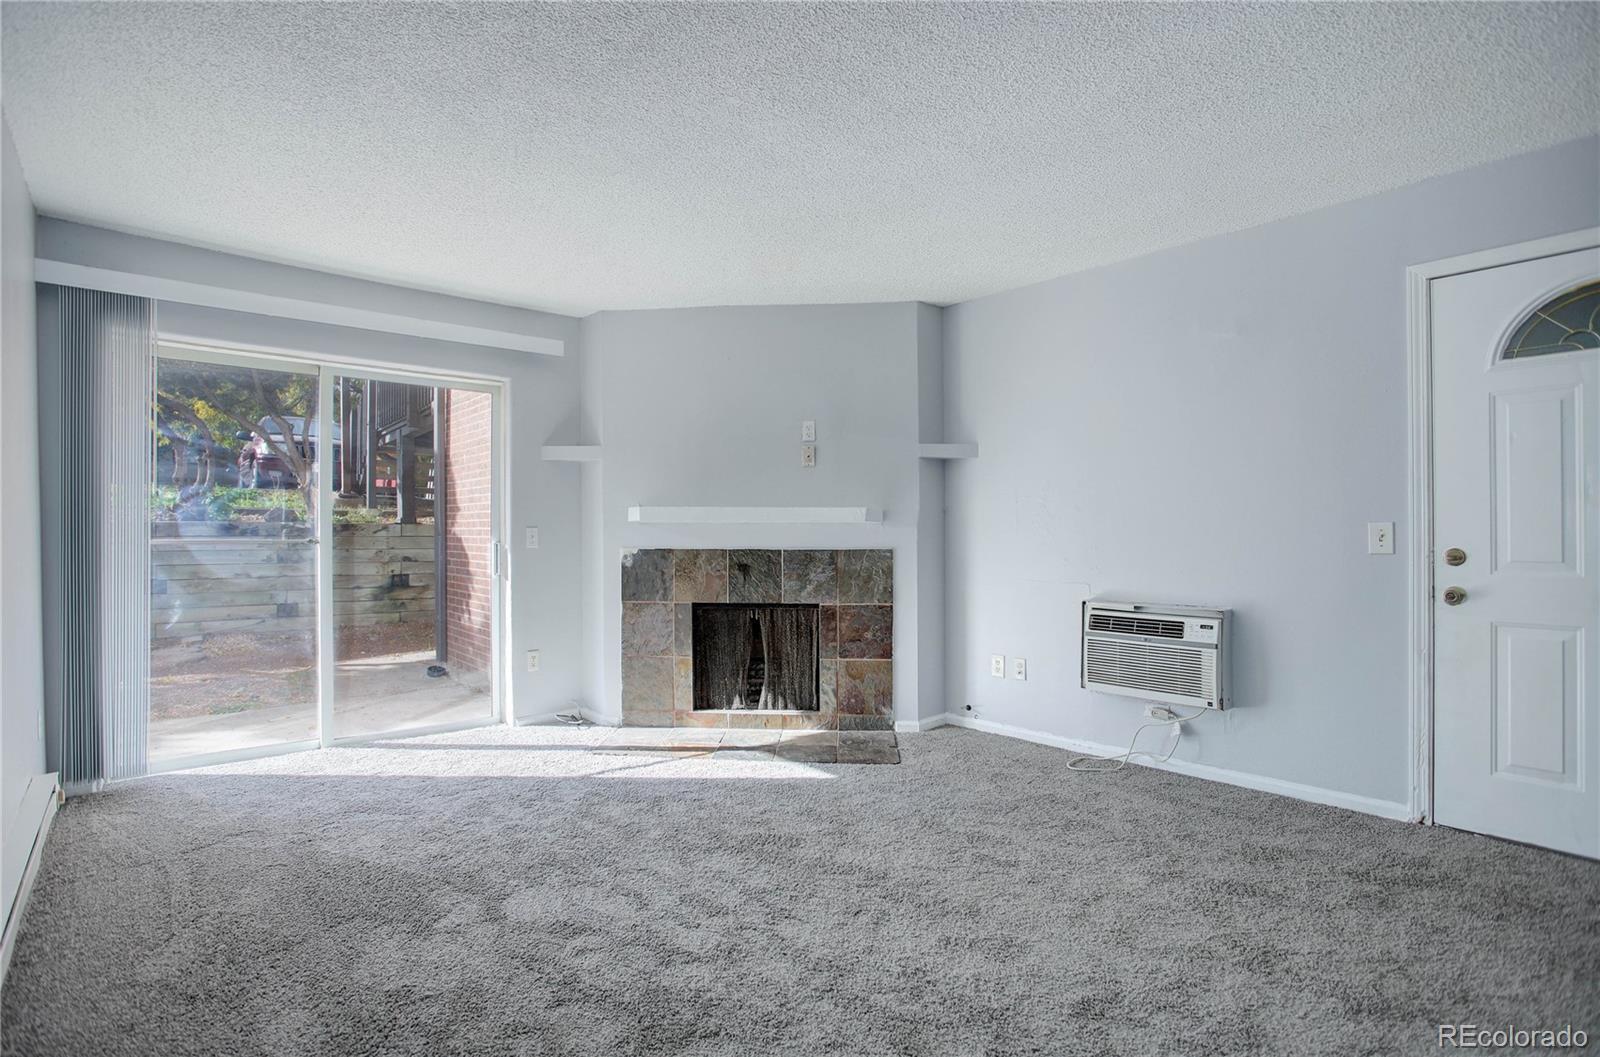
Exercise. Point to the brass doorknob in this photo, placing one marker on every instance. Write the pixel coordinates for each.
(1454, 596)
(1455, 556)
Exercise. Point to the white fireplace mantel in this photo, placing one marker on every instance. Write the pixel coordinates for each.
(755, 515)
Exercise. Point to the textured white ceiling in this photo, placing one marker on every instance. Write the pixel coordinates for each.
(579, 157)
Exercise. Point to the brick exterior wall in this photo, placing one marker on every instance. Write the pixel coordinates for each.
(468, 580)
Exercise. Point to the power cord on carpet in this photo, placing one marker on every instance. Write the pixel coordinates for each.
(1116, 763)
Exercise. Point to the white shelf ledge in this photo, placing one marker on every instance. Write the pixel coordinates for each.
(754, 515)
(570, 453)
(947, 451)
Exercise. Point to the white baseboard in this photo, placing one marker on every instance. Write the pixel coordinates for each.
(914, 726)
(1315, 794)
(547, 719)
(601, 719)
(24, 847)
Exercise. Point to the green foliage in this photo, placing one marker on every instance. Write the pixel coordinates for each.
(360, 515)
(222, 503)
(236, 504)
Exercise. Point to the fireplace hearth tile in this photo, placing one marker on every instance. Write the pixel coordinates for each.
(807, 720)
(703, 719)
(683, 686)
(866, 687)
(683, 630)
(647, 685)
(828, 631)
(647, 576)
(755, 576)
(868, 747)
(811, 576)
(809, 746)
(866, 632)
(866, 737)
(771, 722)
(811, 738)
(647, 629)
(859, 724)
(700, 576)
(635, 738)
(866, 577)
(646, 717)
(751, 746)
(752, 740)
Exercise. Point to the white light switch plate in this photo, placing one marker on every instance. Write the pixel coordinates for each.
(1380, 537)
(808, 430)
(533, 537)
(1019, 667)
(997, 665)
(533, 660)
(808, 455)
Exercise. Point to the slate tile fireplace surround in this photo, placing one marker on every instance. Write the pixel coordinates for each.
(794, 612)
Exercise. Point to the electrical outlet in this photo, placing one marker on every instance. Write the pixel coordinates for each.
(533, 660)
(997, 665)
(808, 455)
(1380, 537)
(1019, 667)
(533, 537)
(808, 430)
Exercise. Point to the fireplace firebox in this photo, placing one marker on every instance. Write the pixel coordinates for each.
(756, 657)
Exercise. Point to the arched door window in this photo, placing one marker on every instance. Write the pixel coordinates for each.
(1568, 322)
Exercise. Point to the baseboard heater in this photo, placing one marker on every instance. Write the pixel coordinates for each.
(1173, 654)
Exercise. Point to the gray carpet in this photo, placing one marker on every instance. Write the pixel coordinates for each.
(518, 892)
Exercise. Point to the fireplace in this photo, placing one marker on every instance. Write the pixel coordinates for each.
(758, 639)
(761, 657)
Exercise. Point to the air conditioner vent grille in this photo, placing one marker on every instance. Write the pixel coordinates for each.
(1128, 624)
(1141, 666)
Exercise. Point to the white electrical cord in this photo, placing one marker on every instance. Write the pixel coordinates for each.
(1117, 763)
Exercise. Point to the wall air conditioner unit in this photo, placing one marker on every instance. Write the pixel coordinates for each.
(1173, 654)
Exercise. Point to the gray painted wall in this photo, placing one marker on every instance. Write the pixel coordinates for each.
(1215, 424)
(703, 407)
(21, 645)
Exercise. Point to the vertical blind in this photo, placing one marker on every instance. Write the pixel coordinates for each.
(97, 378)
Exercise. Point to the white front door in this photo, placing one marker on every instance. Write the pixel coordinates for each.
(1516, 551)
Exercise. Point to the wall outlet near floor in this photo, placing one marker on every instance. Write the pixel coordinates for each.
(1019, 667)
(808, 430)
(808, 455)
(997, 665)
(1380, 537)
(533, 660)
(533, 537)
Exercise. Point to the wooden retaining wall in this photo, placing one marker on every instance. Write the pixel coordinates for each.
(211, 580)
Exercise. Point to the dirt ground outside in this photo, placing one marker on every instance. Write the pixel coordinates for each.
(236, 672)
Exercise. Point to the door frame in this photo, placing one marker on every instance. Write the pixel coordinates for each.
(1419, 486)
(325, 368)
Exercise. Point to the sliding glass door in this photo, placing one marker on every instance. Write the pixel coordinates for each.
(233, 599)
(413, 556)
(304, 593)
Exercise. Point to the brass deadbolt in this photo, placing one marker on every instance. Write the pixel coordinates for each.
(1455, 556)
(1454, 596)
